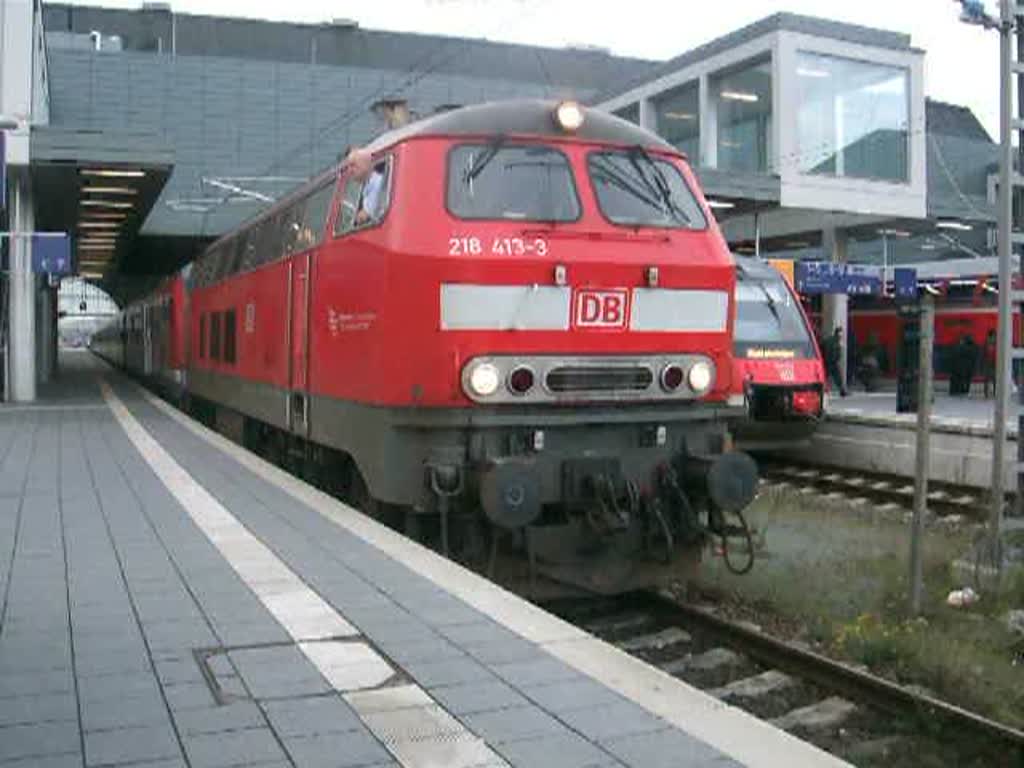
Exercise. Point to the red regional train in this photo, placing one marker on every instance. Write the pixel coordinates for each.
(878, 325)
(517, 325)
(777, 360)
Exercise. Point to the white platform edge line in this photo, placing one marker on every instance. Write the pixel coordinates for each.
(252, 560)
(739, 735)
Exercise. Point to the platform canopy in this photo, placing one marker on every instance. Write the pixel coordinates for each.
(98, 186)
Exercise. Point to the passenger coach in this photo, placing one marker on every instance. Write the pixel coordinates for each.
(516, 318)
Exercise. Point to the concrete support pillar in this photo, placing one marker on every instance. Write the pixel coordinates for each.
(835, 307)
(22, 319)
(46, 331)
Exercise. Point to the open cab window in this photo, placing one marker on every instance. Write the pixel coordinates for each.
(365, 201)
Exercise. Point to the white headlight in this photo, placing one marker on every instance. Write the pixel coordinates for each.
(700, 376)
(484, 379)
(569, 116)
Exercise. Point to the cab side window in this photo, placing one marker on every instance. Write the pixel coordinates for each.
(364, 202)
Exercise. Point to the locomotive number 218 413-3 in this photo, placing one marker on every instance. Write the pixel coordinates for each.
(500, 246)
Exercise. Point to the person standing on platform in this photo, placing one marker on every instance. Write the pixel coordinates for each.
(832, 351)
(988, 363)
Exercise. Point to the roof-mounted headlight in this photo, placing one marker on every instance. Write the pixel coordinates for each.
(569, 116)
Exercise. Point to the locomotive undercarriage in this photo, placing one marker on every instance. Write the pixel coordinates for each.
(598, 501)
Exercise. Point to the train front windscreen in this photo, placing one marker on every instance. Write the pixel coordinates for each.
(769, 323)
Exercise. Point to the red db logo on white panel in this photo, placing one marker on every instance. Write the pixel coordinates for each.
(605, 308)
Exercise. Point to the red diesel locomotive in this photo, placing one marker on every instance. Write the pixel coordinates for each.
(518, 321)
(777, 360)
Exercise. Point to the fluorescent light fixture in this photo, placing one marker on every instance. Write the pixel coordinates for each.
(96, 249)
(99, 224)
(928, 246)
(110, 190)
(91, 275)
(815, 73)
(112, 173)
(108, 204)
(894, 232)
(680, 115)
(953, 224)
(722, 204)
(108, 215)
(97, 238)
(740, 96)
(797, 244)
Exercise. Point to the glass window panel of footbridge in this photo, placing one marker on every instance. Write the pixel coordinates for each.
(853, 118)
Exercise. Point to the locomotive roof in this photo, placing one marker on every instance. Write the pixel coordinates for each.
(523, 117)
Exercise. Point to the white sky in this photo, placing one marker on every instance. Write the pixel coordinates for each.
(962, 62)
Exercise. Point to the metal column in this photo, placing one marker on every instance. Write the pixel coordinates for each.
(835, 306)
(22, 299)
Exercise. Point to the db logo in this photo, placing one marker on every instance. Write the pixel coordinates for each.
(601, 308)
(786, 372)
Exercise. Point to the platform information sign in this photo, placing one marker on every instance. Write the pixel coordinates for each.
(814, 277)
(51, 254)
(905, 281)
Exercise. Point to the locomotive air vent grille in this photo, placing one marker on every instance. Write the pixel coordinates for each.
(607, 378)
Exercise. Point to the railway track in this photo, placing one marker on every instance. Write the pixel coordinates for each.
(884, 492)
(859, 717)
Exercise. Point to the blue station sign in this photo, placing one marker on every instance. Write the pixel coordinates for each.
(51, 254)
(905, 282)
(815, 277)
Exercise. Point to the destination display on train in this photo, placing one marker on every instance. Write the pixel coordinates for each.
(829, 277)
(767, 353)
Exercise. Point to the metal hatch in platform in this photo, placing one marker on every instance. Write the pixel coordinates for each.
(99, 186)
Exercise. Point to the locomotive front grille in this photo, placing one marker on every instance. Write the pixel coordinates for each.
(599, 379)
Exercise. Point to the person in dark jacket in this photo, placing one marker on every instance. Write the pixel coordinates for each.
(988, 363)
(832, 351)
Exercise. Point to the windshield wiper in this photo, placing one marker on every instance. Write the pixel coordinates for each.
(481, 162)
(660, 185)
(771, 302)
(612, 174)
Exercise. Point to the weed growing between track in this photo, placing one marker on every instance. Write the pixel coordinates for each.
(836, 576)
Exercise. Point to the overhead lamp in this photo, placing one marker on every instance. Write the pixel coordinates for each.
(953, 224)
(720, 204)
(894, 232)
(107, 204)
(112, 173)
(815, 73)
(97, 238)
(679, 115)
(740, 96)
(110, 190)
(797, 244)
(108, 215)
(99, 224)
(91, 275)
(569, 116)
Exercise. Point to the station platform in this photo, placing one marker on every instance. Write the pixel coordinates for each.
(169, 599)
(863, 431)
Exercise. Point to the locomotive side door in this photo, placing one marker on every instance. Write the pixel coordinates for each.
(298, 325)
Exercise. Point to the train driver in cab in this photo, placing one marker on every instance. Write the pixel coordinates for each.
(373, 176)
